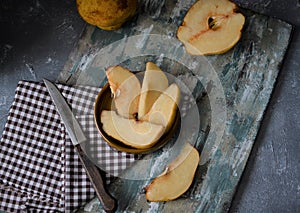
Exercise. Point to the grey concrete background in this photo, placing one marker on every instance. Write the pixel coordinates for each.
(37, 36)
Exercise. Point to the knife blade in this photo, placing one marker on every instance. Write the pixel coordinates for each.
(77, 136)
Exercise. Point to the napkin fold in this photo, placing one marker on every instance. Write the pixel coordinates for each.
(39, 168)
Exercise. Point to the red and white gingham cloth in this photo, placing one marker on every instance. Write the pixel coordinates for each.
(39, 168)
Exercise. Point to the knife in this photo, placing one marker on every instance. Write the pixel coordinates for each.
(77, 136)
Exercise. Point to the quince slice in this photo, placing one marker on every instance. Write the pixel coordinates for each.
(137, 134)
(164, 109)
(154, 83)
(211, 27)
(126, 88)
(177, 177)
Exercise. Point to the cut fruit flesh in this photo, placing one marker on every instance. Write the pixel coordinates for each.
(211, 27)
(126, 90)
(177, 177)
(154, 83)
(137, 134)
(164, 108)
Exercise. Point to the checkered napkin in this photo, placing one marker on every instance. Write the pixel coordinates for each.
(39, 168)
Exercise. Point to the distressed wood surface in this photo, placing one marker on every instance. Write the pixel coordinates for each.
(230, 118)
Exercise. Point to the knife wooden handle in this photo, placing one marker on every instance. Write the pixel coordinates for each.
(108, 202)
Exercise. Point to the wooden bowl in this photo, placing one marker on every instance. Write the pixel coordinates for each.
(104, 102)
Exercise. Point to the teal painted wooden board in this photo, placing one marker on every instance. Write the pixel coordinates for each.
(231, 92)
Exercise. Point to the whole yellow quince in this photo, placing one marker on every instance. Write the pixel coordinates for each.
(106, 14)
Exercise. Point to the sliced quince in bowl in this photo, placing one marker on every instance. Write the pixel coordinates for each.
(154, 83)
(126, 88)
(164, 109)
(211, 27)
(138, 134)
(117, 107)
